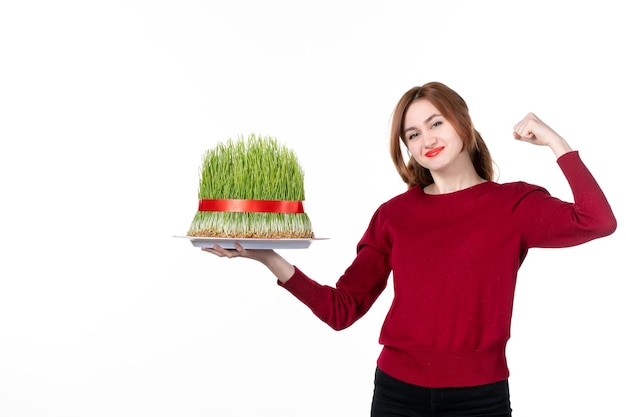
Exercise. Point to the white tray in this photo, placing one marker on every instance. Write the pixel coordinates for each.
(250, 243)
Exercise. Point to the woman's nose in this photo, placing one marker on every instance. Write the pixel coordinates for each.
(429, 140)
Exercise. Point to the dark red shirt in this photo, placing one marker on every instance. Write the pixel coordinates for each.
(454, 260)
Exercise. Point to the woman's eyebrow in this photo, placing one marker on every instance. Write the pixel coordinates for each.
(431, 117)
(408, 129)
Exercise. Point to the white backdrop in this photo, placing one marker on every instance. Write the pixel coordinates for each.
(106, 108)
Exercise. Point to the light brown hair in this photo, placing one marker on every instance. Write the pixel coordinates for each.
(454, 109)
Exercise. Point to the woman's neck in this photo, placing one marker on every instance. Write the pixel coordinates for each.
(458, 177)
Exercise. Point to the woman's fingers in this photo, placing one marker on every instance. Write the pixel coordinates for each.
(226, 253)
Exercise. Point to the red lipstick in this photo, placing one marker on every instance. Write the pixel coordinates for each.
(434, 152)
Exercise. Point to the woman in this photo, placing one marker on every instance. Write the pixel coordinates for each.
(454, 242)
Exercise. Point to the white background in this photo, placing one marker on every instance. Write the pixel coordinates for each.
(106, 108)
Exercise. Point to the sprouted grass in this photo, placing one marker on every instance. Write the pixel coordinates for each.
(252, 168)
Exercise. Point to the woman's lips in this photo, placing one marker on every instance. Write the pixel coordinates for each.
(434, 152)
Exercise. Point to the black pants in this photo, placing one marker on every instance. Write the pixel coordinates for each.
(393, 398)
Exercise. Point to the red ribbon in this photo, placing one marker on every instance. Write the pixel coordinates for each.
(252, 206)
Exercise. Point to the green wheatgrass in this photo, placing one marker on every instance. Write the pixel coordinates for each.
(252, 168)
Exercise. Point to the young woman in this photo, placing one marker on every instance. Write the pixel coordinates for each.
(454, 242)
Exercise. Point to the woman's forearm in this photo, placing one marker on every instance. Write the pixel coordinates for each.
(277, 265)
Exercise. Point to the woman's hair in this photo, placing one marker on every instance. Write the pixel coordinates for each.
(454, 109)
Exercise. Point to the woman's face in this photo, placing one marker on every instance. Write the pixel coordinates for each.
(430, 138)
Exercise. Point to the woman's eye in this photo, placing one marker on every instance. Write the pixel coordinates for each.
(413, 135)
(438, 123)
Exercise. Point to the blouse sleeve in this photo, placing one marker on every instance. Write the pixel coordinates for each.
(355, 292)
(550, 222)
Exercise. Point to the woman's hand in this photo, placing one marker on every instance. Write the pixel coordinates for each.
(532, 130)
(238, 252)
(272, 260)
